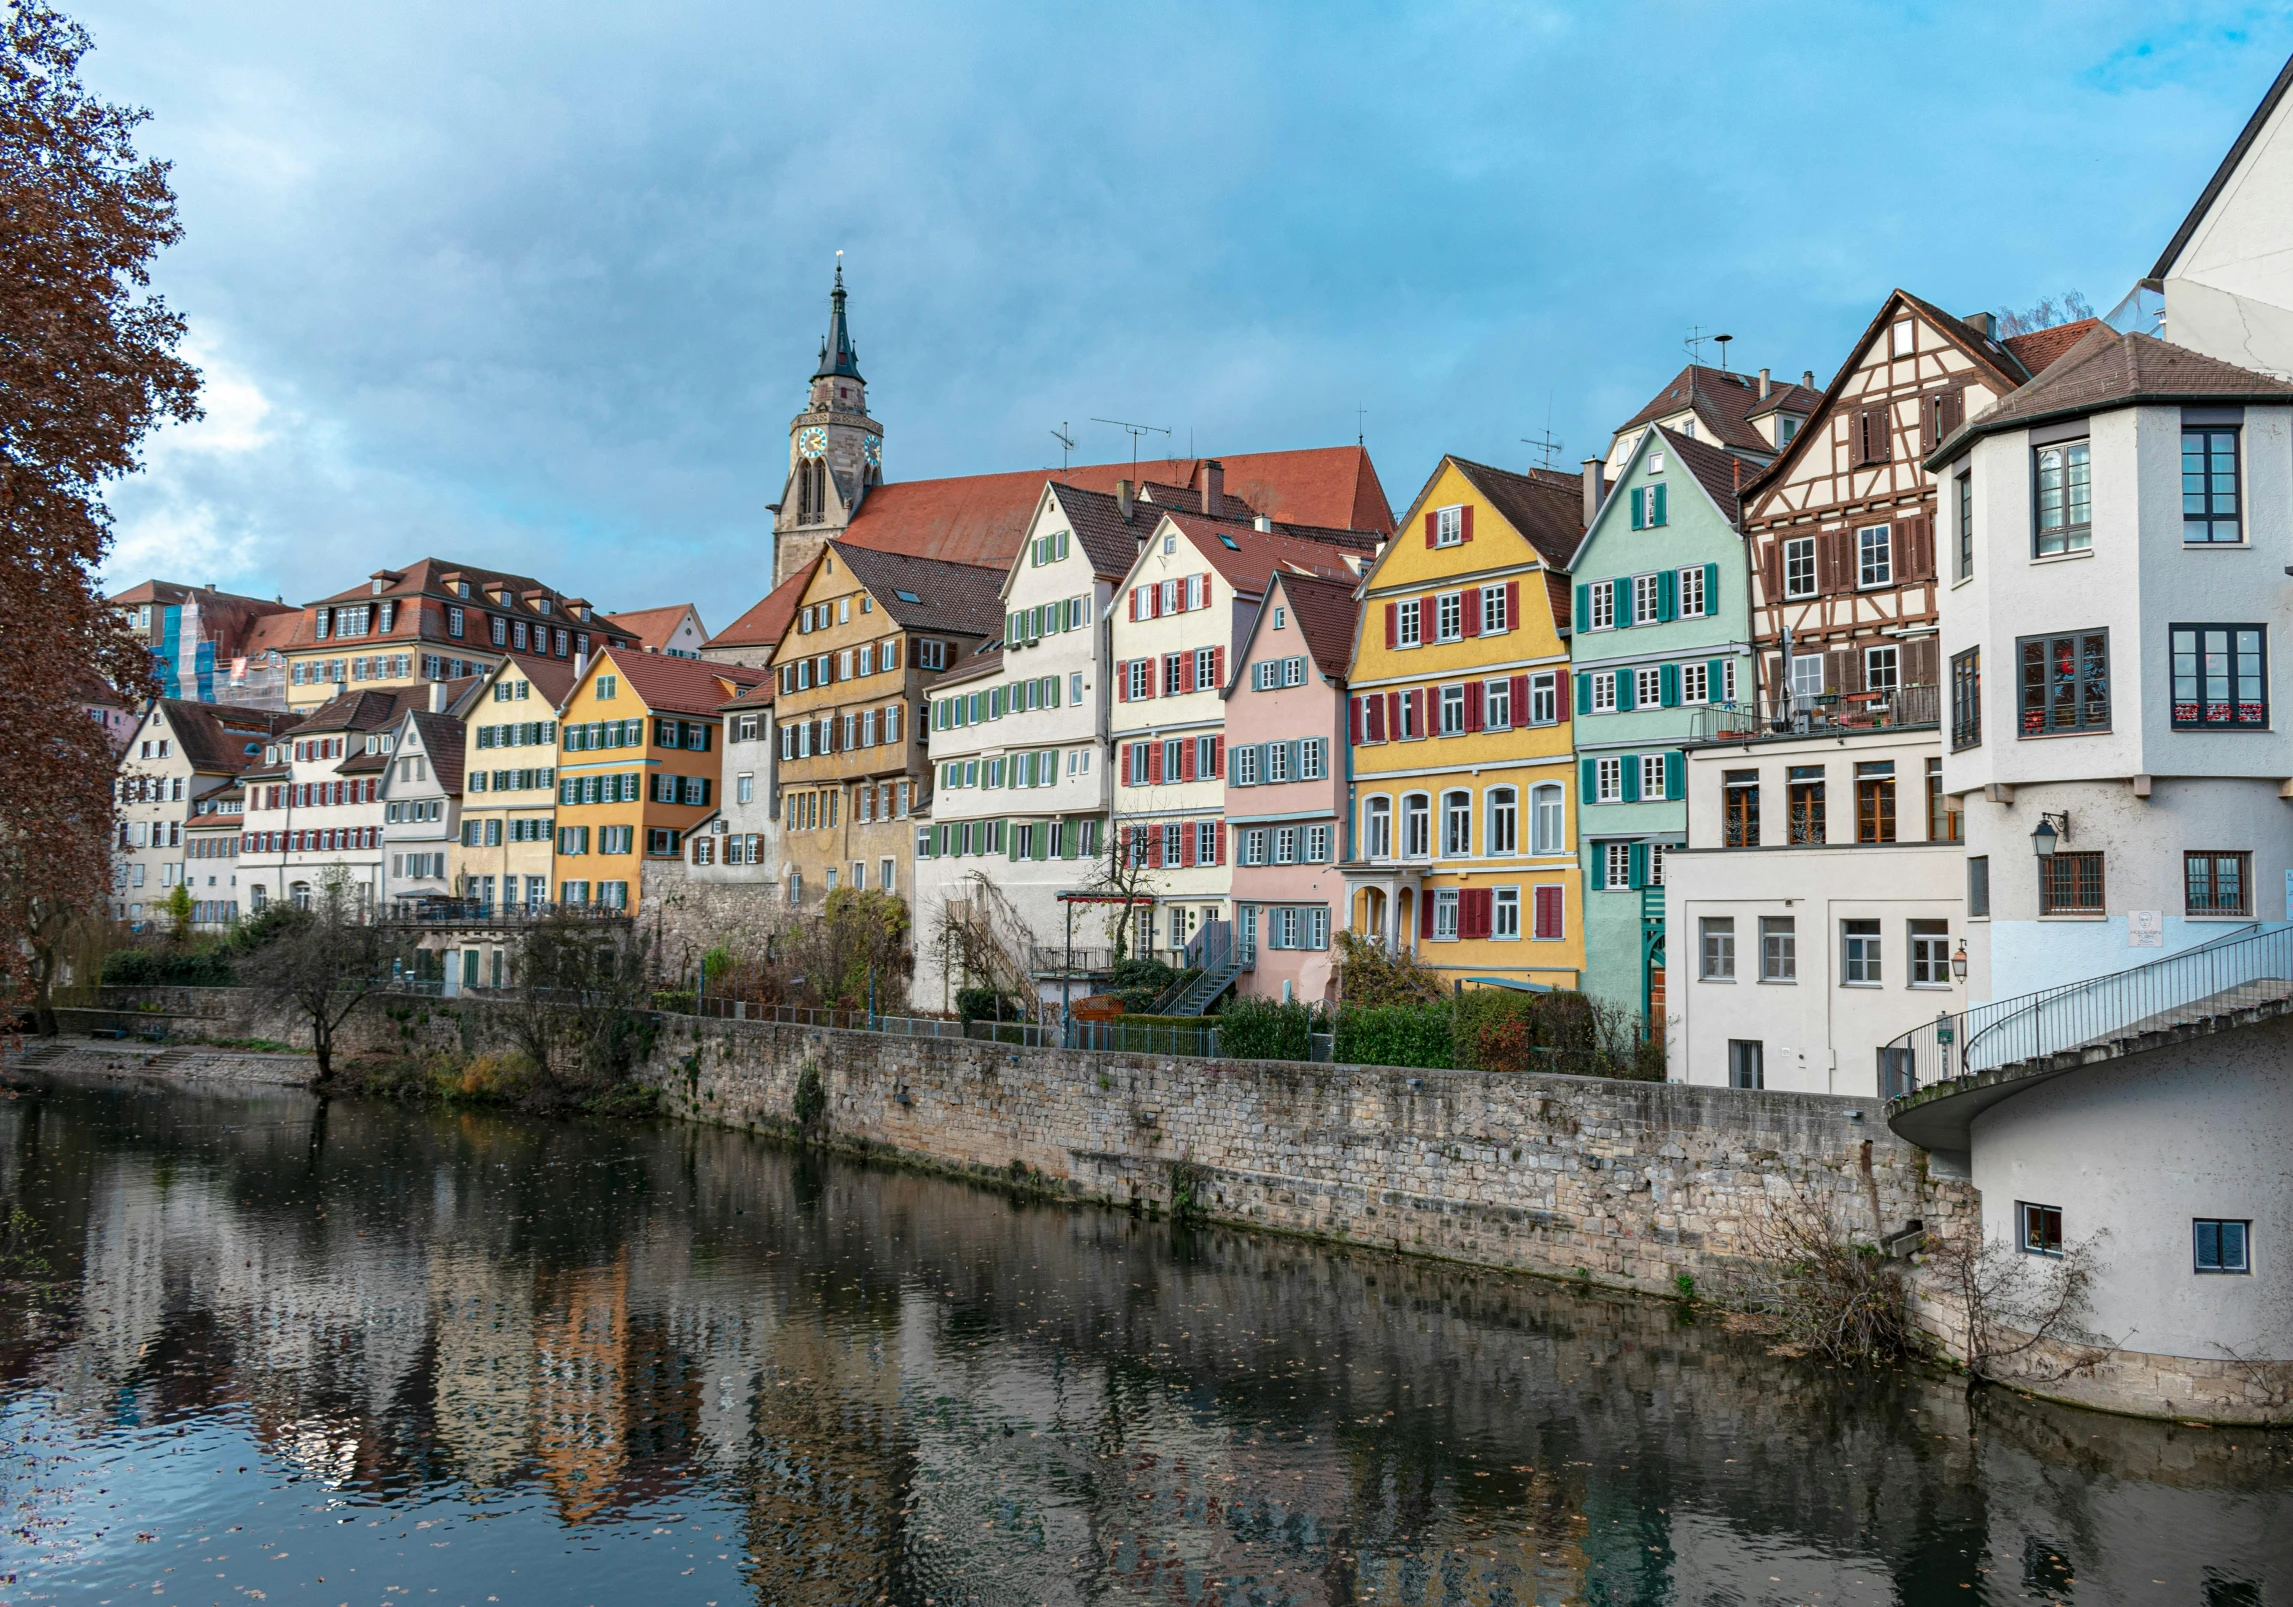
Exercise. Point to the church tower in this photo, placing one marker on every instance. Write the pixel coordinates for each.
(835, 451)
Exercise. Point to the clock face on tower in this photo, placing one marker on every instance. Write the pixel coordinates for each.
(872, 451)
(812, 442)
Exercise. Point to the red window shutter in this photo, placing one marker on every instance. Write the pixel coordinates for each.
(1123, 681)
(1473, 695)
(1469, 608)
(1353, 720)
(1425, 912)
(1218, 666)
(1425, 619)
(1186, 844)
(1376, 717)
(1134, 602)
(1154, 848)
(1465, 522)
(1154, 763)
(1417, 705)
(1392, 623)
(1206, 588)
(1432, 528)
(1217, 757)
(1186, 760)
(1520, 700)
(1153, 676)
(1219, 850)
(1512, 605)
(1393, 715)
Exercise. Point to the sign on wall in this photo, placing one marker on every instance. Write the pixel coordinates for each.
(2145, 929)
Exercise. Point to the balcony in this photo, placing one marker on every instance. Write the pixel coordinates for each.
(440, 913)
(1056, 959)
(1828, 714)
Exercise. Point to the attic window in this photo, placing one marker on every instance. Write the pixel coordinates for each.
(1228, 542)
(907, 596)
(377, 587)
(1655, 463)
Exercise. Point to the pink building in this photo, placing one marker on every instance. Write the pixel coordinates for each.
(1286, 761)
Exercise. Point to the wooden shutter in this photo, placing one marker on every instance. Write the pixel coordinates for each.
(1837, 666)
(1584, 694)
(1154, 763)
(1186, 844)
(1583, 605)
(1432, 527)
(1425, 912)
(1675, 776)
(1474, 692)
(1656, 502)
(1469, 610)
(1417, 711)
(1588, 781)
(1217, 757)
(1771, 570)
(1668, 685)
(1393, 716)
(1667, 595)
(1512, 605)
(1392, 623)
(1154, 847)
(1520, 701)
(1425, 621)
(1465, 522)
(1217, 667)
(1630, 777)
(1639, 507)
(1915, 547)
(1711, 589)
(1637, 860)
(1921, 662)
(1353, 720)
(1218, 844)
(1186, 760)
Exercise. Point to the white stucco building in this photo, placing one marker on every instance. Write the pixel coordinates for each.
(178, 754)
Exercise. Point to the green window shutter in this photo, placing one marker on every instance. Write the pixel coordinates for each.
(1656, 505)
(1043, 840)
(1638, 854)
(1639, 508)
(1623, 691)
(1667, 594)
(1599, 867)
(1668, 679)
(1584, 694)
(1584, 608)
(1631, 777)
(1675, 777)
(1052, 701)
(1715, 676)
(1588, 780)
(1711, 588)
(1624, 600)
(1012, 850)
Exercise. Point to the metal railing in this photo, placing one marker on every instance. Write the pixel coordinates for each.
(1054, 958)
(475, 912)
(1143, 1038)
(1826, 714)
(2245, 967)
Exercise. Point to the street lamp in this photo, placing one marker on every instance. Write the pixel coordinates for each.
(1959, 962)
(2046, 836)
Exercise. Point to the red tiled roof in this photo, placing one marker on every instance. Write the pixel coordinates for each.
(274, 633)
(1721, 474)
(169, 592)
(1257, 554)
(214, 737)
(758, 696)
(1544, 505)
(982, 518)
(1725, 401)
(444, 739)
(678, 685)
(654, 627)
(552, 678)
(937, 596)
(768, 621)
(2037, 350)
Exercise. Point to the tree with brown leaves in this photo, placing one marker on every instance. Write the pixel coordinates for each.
(88, 368)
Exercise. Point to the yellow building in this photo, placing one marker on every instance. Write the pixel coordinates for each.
(639, 759)
(1463, 838)
(505, 841)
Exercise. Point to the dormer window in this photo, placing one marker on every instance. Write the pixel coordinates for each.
(1786, 426)
(461, 588)
(541, 605)
(376, 586)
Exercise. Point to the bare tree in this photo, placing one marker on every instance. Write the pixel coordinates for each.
(1121, 875)
(2022, 1315)
(1809, 1285)
(984, 935)
(578, 1009)
(2045, 313)
(321, 964)
(87, 370)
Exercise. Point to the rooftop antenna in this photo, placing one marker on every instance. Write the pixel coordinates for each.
(1135, 431)
(1066, 447)
(1546, 443)
(1361, 426)
(1695, 342)
(1722, 342)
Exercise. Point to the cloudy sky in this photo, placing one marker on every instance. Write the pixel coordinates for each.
(539, 286)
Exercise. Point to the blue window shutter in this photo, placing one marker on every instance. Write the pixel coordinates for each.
(1589, 781)
(1623, 691)
(1584, 608)
(1639, 508)
(1667, 594)
(1675, 776)
(1711, 588)
(1656, 506)
(1668, 685)
(1638, 854)
(1630, 765)
(1584, 694)
(1624, 601)
(1715, 677)
(1599, 866)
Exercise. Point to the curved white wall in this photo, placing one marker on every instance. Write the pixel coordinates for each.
(2139, 1148)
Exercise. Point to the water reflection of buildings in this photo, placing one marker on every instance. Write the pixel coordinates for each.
(483, 1359)
(581, 1385)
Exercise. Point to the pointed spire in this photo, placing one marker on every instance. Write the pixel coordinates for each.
(836, 354)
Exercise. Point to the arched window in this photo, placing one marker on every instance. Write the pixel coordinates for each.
(1417, 826)
(1377, 829)
(811, 491)
(1504, 821)
(1456, 824)
(1545, 836)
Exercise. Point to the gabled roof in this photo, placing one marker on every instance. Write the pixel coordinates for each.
(983, 518)
(654, 628)
(1109, 541)
(1544, 505)
(927, 594)
(2038, 349)
(1721, 474)
(676, 685)
(215, 737)
(372, 708)
(766, 623)
(552, 678)
(444, 740)
(986, 661)
(169, 593)
(2000, 369)
(1249, 557)
(273, 633)
(751, 698)
(1725, 402)
(2222, 174)
(1325, 610)
(2113, 369)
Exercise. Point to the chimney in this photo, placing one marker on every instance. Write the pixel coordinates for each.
(1213, 486)
(1593, 490)
(1765, 386)
(1807, 379)
(1123, 499)
(437, 697)
(1983, 324)
(1260, 522)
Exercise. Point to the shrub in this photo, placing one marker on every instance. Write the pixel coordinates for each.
(986, 1004)
(676, 1001)
(1261, 1029)
(811, 1101)
(1368, 976)
(168, 968)
(1414, 1035)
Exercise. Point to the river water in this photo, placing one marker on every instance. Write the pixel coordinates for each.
(343, 1352)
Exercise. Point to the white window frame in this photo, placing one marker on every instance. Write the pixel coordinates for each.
(1417, 826)
(1646, 597)
(1493, 618)
(1497, 704)
(1616, 863)
(1648, 686)
(1604, 692)
(1608, 780)
(1449, 616)
(1602, 614)
(1799, 576)
(1545, 698)
(1452, 718)
(1691, 589)
(1870, 576)
(1504, 833)
(1892, 657)
(1449, 526)
(1548, 819)
(1651, 767)
(1377, 828)
(1505, 915)
(1456, 824)
(1445, 915)
(1695, 679)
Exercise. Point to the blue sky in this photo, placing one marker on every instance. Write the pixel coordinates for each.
(539, 287)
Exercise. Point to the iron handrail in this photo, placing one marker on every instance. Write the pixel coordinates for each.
(2242, 966)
